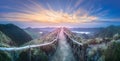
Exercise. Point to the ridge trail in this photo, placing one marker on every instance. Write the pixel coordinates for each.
(63, 52)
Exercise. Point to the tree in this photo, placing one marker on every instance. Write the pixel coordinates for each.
(113, 52)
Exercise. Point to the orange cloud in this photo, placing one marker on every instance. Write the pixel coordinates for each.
(38, 13)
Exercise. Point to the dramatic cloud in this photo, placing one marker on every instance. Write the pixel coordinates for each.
(47, 13)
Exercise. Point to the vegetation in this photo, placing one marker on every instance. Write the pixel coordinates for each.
(17, 35)
(109, 31)
(4, 56)
(113, 52)
(36, 55)
(100, 48)
(5, 41)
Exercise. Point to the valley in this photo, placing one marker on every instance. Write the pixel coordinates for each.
(60, 44)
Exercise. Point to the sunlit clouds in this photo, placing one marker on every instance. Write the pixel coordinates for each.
(51, 12)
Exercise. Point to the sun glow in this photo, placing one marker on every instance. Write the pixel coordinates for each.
(38, 13)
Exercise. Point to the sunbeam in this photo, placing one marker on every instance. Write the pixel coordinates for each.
(68, 11)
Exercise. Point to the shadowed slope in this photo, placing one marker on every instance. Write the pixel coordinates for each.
(17, 35)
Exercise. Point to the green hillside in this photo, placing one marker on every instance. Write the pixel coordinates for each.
(16, 34)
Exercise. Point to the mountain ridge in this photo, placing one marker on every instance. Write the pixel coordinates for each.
(18, 35)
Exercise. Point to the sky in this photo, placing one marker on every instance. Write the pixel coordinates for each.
(57, 13)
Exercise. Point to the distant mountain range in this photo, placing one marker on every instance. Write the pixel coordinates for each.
(16, 34)
(49, 37)
(109, 31)
(86, 29)
(49, 29)
(37, 32)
